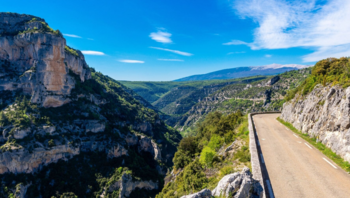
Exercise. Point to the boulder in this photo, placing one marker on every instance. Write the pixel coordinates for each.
(49, 129)
(94, 126)
(229, 183)
(21, 133)
(205, 193)
(238, 185)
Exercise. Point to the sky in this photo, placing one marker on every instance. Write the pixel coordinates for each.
(162, 40)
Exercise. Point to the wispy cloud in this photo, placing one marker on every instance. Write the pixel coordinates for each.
(96, 53)
(131, 61)
(161, 37)
(179, 60)
(286, 24)
(72, 35)
(173, 51)
(235, 52)
(236, 42)
(90, 39)
(268, 55)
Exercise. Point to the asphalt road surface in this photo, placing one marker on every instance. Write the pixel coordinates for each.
(295, 168)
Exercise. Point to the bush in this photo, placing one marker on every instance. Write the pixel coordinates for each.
(207, 156)
(331, 70)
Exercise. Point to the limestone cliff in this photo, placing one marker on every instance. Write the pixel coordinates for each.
(324, 114)
(63, 123)
(34, 59)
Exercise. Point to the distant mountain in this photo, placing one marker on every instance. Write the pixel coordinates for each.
(240, 72)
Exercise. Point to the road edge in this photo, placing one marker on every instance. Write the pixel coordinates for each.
(254, 153)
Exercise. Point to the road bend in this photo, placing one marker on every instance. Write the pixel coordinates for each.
(295, 168)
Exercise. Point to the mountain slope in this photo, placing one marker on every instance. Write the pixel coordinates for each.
(68, 130)
(263, 95)
(240, 72)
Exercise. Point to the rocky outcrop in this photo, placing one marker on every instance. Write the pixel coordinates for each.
(272, 81)
(148, 145)
(205, 193)
(21, 190)
(33, 59)
(23, 161)
(126, 185)
(21, 133)
(324, 114)
(238, 185)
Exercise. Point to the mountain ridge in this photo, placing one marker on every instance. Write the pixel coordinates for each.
(240, 72)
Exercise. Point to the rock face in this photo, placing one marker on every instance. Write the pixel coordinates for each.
(33, 59)
(52, 108)
(21, 190)
(238, 185)
(205, 193)
(325, 114)
(22, 161)
(148, 145)
(126, 185)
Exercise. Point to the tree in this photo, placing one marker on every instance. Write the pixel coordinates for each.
(51, 143)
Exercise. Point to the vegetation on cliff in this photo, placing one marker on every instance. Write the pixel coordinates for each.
(202, 160)
(330, 70)
(87, 175)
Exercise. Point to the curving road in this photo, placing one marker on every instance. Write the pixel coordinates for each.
(295, 168)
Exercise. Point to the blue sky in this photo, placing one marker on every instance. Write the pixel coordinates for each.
(163, 40)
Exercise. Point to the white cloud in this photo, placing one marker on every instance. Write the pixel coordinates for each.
(72, 35)
(173, 51)
(236, 42)
(179, 60)
(90, 39)
(131, 61)
(161, 37)
(235, 52)
(268, 55)
(88, 52)
(299, 23)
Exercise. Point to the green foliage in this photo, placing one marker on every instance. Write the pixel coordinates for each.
(45, 28)
(197, 154)
(71, 51)
(215, 142)
(328, 71)
(51, 143)
(243, 155)
(207, 156)
(82, 176)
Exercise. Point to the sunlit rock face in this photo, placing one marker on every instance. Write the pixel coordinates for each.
(33, 58)
(324, 114)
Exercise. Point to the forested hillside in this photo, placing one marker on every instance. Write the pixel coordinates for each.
(186, 104)
(218, 148)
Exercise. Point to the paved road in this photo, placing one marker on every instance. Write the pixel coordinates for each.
(296, 169)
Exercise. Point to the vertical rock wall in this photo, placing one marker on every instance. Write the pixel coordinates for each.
(324, 114)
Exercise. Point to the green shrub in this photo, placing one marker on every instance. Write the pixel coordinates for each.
(331, 70)
(207, 156)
